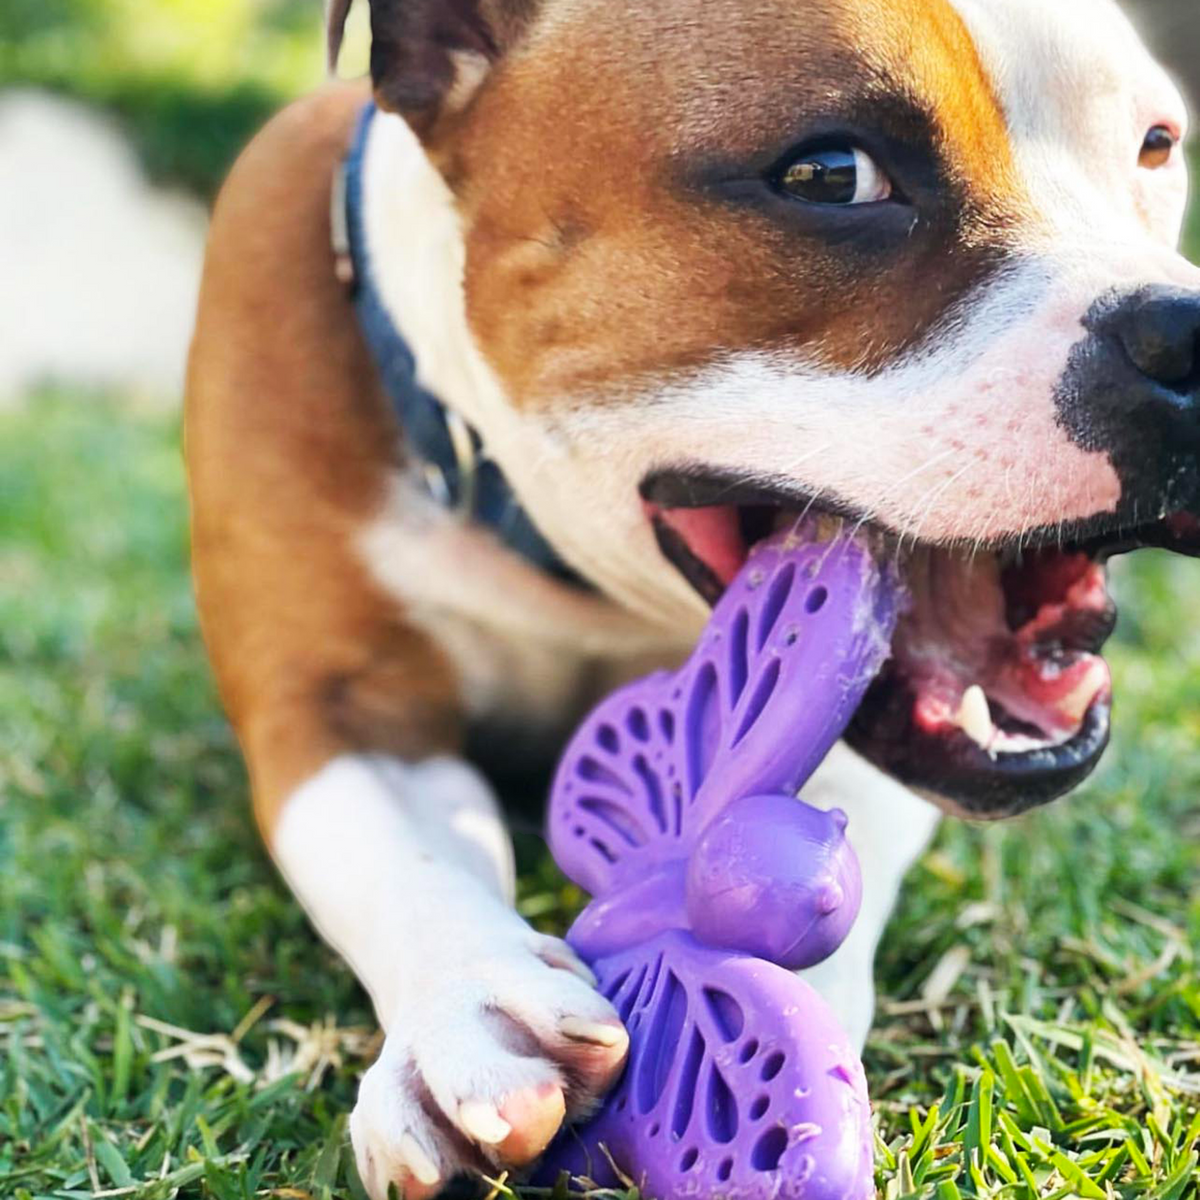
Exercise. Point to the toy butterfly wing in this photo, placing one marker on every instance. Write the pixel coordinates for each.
(781, 667)
(739, 1083)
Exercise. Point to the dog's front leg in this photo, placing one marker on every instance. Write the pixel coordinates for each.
(292, 447)
(889, 828)
(493, 1031)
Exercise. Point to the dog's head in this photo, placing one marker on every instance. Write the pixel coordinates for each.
(911, 263)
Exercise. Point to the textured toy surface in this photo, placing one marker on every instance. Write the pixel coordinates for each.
(675, 807)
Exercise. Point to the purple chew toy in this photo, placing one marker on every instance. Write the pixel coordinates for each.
(675, 807)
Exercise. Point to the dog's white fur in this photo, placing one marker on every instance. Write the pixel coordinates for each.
(405, 869)
(1079, 90)
(518, 643)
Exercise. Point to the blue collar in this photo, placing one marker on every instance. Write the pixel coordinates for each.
(454, 466)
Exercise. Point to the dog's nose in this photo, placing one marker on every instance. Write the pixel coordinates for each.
(1159, 328)
(1132, 390)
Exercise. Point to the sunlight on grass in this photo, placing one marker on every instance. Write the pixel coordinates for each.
(191, 80)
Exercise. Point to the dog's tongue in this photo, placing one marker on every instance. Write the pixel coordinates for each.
(713, 536)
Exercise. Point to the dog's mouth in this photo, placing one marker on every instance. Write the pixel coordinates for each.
(996, 697)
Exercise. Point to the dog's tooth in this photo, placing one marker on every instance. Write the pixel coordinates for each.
(1074, 704)
(418, 1162)
(975, 716)
(482, 1122)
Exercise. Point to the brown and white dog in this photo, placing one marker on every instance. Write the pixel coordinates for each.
(685, 266)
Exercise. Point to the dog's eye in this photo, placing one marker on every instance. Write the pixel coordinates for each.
(833, 174)
(1158, 147)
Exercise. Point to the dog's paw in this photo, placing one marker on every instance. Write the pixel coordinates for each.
(481, 1064)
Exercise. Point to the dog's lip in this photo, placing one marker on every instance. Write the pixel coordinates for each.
(1102, 535)
(695, 486)
(945, 761)
(969, 780)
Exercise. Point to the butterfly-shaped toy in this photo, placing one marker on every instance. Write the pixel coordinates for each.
(675, 808)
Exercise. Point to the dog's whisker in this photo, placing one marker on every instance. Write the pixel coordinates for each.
(937, 492)
(929, 463)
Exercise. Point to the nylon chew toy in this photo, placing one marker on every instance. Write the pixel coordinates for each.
(675, 807)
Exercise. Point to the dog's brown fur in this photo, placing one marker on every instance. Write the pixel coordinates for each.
(290, 441)
(566, 284)
(595, 221)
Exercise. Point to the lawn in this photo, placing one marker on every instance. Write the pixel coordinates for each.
(168, 1024)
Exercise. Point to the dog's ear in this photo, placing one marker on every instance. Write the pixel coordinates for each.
(428, 57)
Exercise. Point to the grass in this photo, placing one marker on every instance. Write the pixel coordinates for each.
(169, 1024)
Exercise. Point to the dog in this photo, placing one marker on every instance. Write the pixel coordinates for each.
(666, 275)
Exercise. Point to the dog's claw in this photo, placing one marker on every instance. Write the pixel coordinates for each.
(535, 1114)
(483, 1060)
(555, 952)
(482, 1122)
(424, 1169)
(600, 1033)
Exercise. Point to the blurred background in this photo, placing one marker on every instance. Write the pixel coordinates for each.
(167, 1021)
(118, 120)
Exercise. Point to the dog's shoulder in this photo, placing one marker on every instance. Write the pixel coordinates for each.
(270, 235)
(280, 382)
(280, 185)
